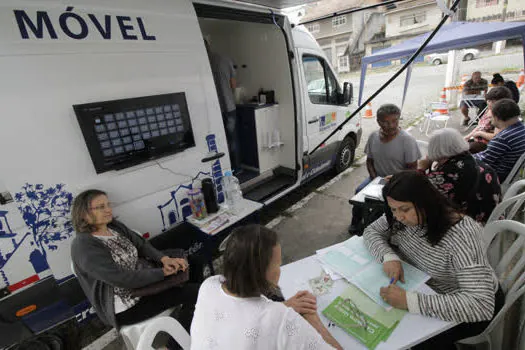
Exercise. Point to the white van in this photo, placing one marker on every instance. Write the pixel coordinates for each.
(119, 95)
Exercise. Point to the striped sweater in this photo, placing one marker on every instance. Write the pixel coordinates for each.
(459, 270)
(504, 150)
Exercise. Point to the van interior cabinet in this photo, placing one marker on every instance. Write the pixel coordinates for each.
(259, 136)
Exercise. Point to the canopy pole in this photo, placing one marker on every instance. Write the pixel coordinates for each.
(362, 82)
(394, 77)
(407, 81)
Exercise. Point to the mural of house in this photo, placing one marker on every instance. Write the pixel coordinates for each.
(343, 37)
(177, 207)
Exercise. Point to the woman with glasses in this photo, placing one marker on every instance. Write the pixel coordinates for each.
(105, 254)
(236, 310)
(424, 229)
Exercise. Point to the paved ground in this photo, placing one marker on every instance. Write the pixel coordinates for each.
(318, 214)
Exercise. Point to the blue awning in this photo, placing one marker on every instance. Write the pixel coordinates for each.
(451, 36)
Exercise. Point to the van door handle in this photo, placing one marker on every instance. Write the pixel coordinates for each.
(312, 121)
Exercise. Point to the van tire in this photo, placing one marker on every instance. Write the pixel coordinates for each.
(345, 155)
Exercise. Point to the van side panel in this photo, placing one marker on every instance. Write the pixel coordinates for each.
(53, 57)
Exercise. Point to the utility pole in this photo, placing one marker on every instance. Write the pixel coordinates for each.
(500, 45)
(454, 61)
(504, 11)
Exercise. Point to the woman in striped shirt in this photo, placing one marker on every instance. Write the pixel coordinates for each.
(424, 229)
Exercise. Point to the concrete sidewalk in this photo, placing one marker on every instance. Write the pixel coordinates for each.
(322, 218)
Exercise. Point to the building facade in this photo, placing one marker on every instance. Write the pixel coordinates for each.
(492, 10)
(343, 37)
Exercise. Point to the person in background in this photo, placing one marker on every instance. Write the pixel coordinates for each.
(472, 185)
(225, 82)
(509, 144)
(474, 86)
(422, 228)
(498, 80)
(485, 131)
(388, 150)
(234, 312)
(105, 254)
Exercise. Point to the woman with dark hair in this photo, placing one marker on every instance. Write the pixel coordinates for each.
(498, 80)
(233, 311)
(424, 229)
(105, 254)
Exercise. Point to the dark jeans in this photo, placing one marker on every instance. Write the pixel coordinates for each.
(446, 340)
(232, 135)
(357, 210)
(152, 305)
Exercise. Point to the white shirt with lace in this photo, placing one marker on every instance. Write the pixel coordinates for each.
(222, 321)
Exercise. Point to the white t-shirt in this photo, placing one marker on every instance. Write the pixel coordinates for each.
(222, 321)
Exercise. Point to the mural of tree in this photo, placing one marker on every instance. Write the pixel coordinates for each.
(46, 211)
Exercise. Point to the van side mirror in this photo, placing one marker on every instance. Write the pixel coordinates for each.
(348, 93)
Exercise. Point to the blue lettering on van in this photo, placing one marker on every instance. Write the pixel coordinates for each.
(76, 26)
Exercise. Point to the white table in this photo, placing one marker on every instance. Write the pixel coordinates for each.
(247, 207)
(469, 101)
(412, 330)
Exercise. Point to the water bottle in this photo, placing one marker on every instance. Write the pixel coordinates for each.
(232, 192)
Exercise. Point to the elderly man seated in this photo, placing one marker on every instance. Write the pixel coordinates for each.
(469, 183)
(389, 150)
(474, 86)
(509, 144)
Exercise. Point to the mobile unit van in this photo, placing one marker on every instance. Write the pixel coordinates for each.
(119, 95)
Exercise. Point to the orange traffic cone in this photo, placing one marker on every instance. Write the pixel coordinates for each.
(443, 97)
(521, 79)
(368, 111)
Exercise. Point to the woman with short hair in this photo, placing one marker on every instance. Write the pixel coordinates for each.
(233, 311)
(469, 183)
(422, 228)
(105, 253)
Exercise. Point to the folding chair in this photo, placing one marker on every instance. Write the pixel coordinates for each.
(474, 113)
(515, 174)
(512, 282)
(515, 189)
(438, 113)
(168, 325)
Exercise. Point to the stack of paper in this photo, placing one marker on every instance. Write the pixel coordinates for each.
(362, 317)
(353, 262)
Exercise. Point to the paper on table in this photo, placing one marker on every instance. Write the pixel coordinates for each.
(333, 275)
(373, 278)
(374, 191)
(344, 261)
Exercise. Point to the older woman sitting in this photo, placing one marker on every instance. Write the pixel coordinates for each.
(470, 184)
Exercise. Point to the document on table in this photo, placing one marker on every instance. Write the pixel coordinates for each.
(374, 191)
(352, 260)
(373, 278)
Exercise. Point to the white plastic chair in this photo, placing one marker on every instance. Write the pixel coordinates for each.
(511, 279)
(514, 174)
(423, 147)
(131, 333)
(164, 324)
(508, 208)
(515, 189)
(439, 113)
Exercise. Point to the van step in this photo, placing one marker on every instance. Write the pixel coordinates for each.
(266, 189)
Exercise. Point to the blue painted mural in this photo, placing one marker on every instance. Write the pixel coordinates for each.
(45, 212)
(178, 206)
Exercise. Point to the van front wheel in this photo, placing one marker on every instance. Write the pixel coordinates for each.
(345, 155)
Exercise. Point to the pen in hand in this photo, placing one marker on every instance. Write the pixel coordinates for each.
(392, 280)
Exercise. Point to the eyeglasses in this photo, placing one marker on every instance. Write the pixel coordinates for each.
(357, 317)
(102, 207)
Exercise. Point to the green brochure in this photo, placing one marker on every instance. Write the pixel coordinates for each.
(361, 317)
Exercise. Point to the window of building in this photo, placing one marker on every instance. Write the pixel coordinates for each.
(313, 27)
(338, 21)
(485, 3)
(414, 18)
(344, 64)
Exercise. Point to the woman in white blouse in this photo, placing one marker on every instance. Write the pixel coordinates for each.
(234, 310)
